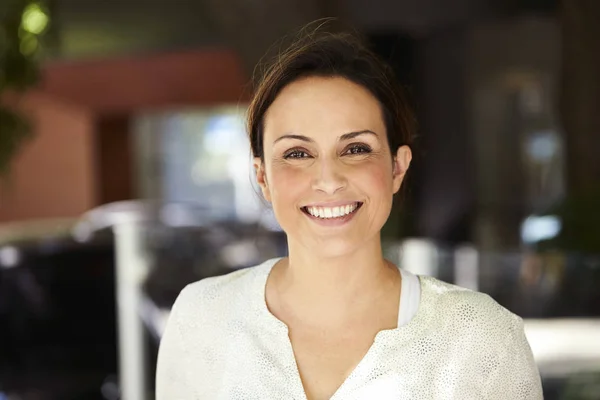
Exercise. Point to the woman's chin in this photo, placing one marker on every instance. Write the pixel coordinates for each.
(332, 247)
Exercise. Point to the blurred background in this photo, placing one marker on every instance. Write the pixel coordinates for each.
(126, 172)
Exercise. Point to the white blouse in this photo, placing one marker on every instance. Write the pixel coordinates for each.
(222, 342)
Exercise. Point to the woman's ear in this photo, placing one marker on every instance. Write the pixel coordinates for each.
(261, 178)
(401, 161)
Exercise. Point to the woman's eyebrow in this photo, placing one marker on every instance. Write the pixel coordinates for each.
(345, 136)
(352, 135)
(297, 137)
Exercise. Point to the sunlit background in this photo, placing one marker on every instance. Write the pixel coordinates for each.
(126, 172)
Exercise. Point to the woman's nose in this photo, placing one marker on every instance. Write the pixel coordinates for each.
(329, 177)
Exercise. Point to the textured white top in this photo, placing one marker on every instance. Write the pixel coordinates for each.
(222, 342)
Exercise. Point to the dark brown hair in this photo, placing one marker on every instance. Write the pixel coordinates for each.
(317, 52)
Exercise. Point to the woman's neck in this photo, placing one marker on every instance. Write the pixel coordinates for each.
(320, 289)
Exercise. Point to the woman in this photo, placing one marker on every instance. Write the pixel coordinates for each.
(331, 134)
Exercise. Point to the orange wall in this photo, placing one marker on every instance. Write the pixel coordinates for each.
(53, 175)
(124, 85)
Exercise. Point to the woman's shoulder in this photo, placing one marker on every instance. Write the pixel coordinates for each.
(209, 292)
(465, 307)
(486, 338)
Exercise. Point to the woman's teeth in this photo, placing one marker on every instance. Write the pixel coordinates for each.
(332, 212)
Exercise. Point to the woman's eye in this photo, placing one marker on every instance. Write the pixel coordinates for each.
(358, 149)
(296, 154)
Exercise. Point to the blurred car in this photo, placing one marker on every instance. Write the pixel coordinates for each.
(57, 312)
(58, 329)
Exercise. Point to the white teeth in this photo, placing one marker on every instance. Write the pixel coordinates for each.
(332, 212)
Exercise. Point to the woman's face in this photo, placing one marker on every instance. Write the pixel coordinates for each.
(327, 168)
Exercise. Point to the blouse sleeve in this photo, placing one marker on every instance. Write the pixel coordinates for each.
(171, 374)
(517, 376)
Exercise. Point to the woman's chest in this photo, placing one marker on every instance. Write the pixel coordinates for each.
(325, 362)
(280, 367)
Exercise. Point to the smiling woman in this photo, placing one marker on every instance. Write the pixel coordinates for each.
(326, 147)
(331, 132)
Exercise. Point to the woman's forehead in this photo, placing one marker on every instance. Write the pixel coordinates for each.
(322, 104)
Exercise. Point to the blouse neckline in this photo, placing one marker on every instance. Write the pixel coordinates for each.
(407, 330)
(387, 337)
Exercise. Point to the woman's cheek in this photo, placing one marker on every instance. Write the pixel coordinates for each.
(376, 177)
(287, 181)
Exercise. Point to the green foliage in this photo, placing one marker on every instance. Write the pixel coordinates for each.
(14, 130)
(22, 25)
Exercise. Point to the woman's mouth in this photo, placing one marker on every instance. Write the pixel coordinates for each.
(332, 213)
